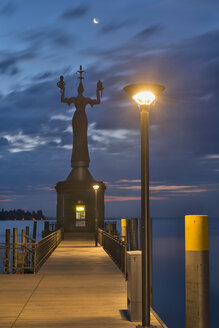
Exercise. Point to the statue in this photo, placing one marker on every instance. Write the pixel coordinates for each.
(80, 154)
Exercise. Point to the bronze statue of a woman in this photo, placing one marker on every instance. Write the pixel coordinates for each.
(80, 154)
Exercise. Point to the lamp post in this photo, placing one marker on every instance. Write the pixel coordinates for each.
(145, 96)
(96, 187)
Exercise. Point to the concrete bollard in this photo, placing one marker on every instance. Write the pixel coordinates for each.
(197, 271)
(124, 229)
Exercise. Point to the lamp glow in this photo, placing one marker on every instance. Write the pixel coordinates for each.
(80, 208)
(144, 98)
(96, 187)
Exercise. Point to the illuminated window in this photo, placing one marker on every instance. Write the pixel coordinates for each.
(80, 212)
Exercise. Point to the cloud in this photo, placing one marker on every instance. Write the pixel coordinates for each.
(109, 198)
(213, 156)
(20, 142)
(77, 12)
(48, 39)
(8, 9)
(44, 76)
(3, 142)
(114, 27)
(7, 200)
(162, 189)
(45, 188)
(129, 181)
(149, 31)
(9, 61)
(178, 189)
(62, 117)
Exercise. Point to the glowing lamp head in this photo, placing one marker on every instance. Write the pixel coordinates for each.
(144, 98)
(144, 94)
(96, 187)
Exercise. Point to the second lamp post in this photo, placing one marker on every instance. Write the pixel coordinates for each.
(96, 187)
(145, 95)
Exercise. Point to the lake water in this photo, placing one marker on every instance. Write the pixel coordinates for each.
(168, 265)
(20, 225)
(169, 270)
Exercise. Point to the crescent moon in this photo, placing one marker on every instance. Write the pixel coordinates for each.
(96, 20)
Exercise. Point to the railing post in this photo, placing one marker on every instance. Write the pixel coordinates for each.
(34, 230)
(27, 231)
(14, 270)
(114, 230)
(109, 227)
(7, 260)
(125, 262)
(34, 249)
(23, 250)
(27, 256)
(46, 228)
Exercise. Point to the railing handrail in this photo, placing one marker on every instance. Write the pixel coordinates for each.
(34, 254)
(40, 256)
(116, 250)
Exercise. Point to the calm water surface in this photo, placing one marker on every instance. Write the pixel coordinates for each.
(169, 270)
(20, 225)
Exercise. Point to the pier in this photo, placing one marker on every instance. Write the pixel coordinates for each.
(78, 286)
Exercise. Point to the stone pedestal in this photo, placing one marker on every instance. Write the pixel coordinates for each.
(76, 202)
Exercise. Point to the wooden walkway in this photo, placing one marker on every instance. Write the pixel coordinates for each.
(78, 286)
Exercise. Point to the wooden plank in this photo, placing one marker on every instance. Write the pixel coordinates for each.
(78, 286)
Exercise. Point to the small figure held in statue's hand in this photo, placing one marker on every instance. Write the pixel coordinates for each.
(100, 87)
(61, 83)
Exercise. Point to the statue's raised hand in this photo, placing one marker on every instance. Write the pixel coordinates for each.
(61, 83)
(100, 87)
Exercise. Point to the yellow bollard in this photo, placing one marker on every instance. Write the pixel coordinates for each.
(197, 271)
(124, 229)
(109, 227)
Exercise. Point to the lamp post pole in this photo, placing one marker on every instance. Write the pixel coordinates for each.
(145, 217)
(145, 94)
(96, 187)
(96, 219)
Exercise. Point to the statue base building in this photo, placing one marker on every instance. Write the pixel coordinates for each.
(76, 202)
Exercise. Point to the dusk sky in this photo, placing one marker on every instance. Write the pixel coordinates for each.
(170, 42)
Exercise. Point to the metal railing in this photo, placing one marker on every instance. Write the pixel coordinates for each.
(115, 248)
(28, 257)
(43, 249)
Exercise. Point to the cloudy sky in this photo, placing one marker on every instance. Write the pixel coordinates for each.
(171, 42)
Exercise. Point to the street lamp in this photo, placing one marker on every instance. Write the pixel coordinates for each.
(145, 95)
(96, 187)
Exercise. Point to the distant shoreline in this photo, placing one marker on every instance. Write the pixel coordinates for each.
(33, 219)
